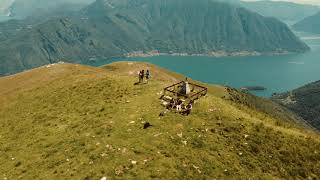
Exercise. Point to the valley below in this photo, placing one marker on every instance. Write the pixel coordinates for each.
(277, 73)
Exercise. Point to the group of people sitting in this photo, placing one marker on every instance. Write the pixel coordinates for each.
(179, 106)
(143, 75)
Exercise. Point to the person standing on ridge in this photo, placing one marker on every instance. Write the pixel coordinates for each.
(142, 75)
(139, 74)
(148, 75)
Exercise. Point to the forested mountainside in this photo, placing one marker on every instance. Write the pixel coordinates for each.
(110, 28)
(304, 101)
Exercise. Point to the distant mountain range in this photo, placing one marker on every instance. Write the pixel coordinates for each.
(304, 101)
(310, 24)
(285, 11)
(113, 28)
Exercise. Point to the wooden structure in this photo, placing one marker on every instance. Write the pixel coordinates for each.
(180, 91)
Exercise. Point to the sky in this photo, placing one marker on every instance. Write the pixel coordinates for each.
(314, 2)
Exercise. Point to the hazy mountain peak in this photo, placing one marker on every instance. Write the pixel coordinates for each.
(5, 7)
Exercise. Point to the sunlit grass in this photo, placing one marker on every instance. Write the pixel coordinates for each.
(90, 124)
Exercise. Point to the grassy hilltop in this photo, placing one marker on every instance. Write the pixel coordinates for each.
(68, 121)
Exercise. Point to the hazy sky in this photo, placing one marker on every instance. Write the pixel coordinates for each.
(315, 2)
(4, 4)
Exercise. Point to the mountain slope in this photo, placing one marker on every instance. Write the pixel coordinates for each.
(304, 101)
(77, 122)
(115, 28)
(310, 24)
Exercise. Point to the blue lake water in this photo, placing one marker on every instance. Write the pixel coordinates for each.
(276, 73)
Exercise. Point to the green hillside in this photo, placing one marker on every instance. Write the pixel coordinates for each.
(110, 28)
(67, 121)
(305, 101)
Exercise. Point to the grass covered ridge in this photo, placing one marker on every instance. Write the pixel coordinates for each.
(75, 122)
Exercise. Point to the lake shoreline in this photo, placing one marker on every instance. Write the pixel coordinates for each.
(214, 54)
(277, 72)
